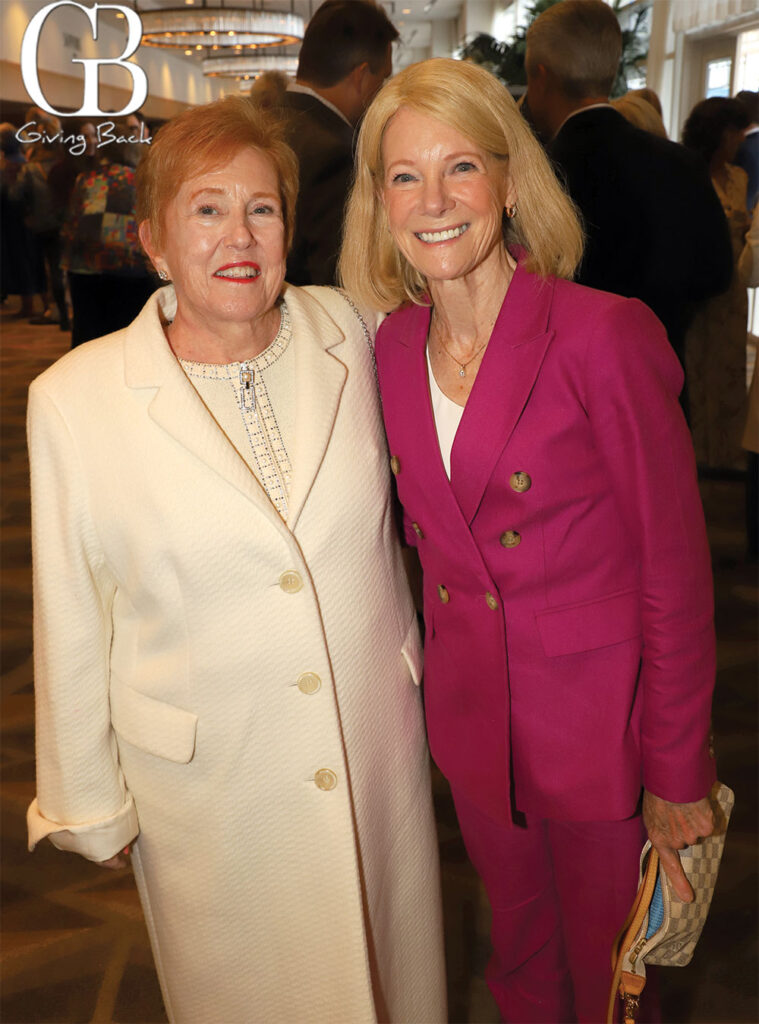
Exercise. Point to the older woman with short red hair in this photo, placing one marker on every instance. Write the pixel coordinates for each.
(226, 653)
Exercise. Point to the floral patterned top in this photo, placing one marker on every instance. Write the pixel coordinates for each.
(100, 232)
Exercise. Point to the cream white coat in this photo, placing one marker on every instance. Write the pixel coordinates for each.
(170, 635)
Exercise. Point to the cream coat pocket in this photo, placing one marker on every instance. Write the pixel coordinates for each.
(571, 629)
(152, 725)
(412, 651)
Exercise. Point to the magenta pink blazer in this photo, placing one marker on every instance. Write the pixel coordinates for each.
(569, 646)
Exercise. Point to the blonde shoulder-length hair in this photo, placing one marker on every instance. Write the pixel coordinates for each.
(471, 100)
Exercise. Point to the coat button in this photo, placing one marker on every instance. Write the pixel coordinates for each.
(309, 683)
(510, 538)
(418, 530)
(520, 482)
(395, 464)
(490, 601)
(290, 582)
(325, 779)
(443, 593)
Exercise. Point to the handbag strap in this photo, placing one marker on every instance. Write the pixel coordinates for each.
(367, 334)
(627, 986)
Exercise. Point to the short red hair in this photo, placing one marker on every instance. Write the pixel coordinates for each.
(202, 138)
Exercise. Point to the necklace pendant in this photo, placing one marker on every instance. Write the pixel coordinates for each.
(462, 372)
(247, 393)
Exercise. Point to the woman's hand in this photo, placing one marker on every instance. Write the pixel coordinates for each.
(118, 861)
(673, 826)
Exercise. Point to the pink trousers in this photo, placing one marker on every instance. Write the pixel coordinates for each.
(559, 892)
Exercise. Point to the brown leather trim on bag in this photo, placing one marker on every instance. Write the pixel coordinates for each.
(624, 940)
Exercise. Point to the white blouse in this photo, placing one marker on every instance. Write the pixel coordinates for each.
(447, 417)
(254, 404)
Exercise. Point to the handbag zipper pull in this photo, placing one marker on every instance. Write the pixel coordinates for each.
(632, 1005)
(630, 988)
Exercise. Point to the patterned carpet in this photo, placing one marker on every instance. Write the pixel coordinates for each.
(74, 945)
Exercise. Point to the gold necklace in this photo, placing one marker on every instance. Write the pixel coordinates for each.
(462, 366)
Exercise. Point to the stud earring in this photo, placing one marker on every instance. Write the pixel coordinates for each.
(163, 275)
(511, 211)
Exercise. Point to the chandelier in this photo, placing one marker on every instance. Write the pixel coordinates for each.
(218, 27)
(247, 66)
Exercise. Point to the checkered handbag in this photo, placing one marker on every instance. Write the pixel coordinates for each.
(660, 929)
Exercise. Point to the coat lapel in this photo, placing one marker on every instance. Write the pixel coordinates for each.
(319, 380)
(507, 374)
(176, 406)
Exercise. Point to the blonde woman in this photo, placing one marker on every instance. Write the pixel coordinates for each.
(548, 483)
(638, 111)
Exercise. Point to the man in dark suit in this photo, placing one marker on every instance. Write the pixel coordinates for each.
(344, 59)
(655, 227)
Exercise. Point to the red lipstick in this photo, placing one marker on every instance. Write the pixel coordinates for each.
(247, 271)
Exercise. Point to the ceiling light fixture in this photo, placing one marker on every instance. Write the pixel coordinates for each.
(250, 64)
(230, 26)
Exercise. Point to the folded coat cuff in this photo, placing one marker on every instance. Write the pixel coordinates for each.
(97, 841)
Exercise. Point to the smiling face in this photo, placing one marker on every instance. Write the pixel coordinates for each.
(224, 243)
(444, 198)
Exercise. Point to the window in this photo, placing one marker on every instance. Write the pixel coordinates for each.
(718, 77)
(747, 61)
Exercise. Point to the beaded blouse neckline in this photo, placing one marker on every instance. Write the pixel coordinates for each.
(272, 352)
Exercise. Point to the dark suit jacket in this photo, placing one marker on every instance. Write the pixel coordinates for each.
(323, 143)
(655, 228)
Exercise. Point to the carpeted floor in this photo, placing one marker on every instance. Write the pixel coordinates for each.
(74, 945)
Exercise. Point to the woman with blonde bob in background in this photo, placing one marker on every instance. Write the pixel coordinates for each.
(638, 111)
(226, 651)
(548, 484)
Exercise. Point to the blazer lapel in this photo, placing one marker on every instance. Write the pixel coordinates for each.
(417, 383)
(319, 380)
(419, 419)
(176, 406)
(507, 374)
